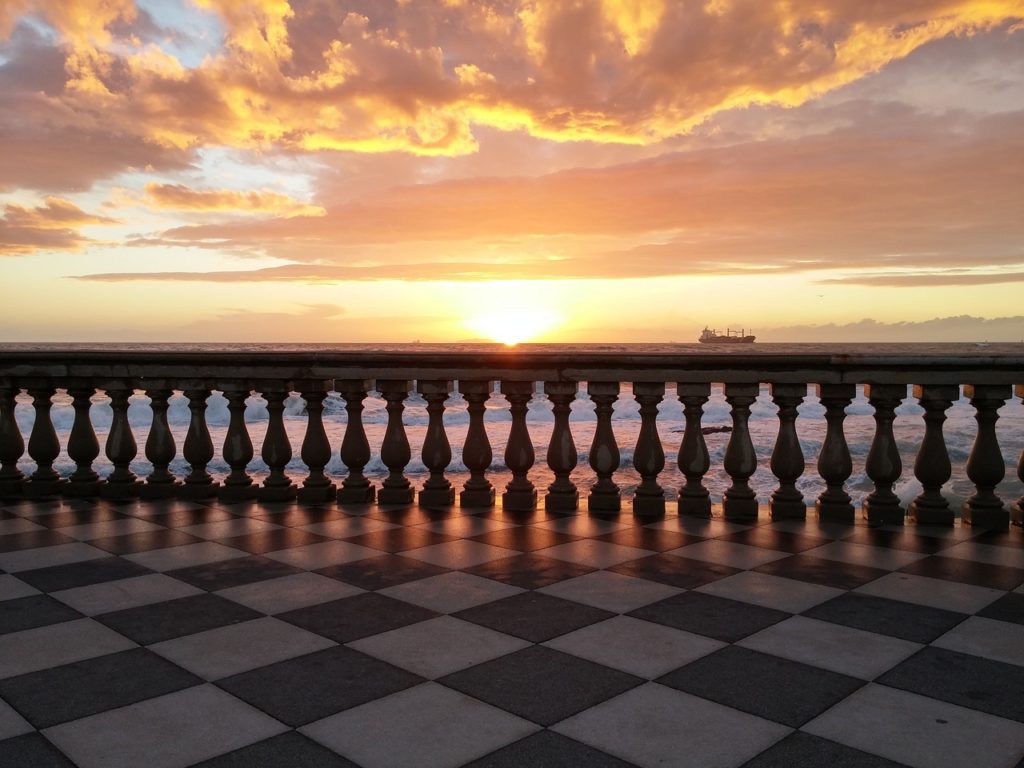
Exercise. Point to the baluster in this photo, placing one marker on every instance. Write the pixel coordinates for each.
(562, 457)
(740, 501)
(121, 447)
(394, 449)
(83, 447)
(932, 467)
(476, 453)
(834, 463)
(43, 445)
(238, 450)
(648, 456)
(12, 444)
(986, 466)
(604, 452)
(694, 461)
(883, 465)
(787, 461)
(198, 448)
(1017, 511)
(520, 493)
(437, 451)
(276, 450)
(316, 449)
(355, 448)
(160, 447)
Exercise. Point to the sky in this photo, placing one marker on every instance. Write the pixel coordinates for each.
(511, 170)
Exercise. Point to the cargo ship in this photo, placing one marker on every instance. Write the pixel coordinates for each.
(711, 336)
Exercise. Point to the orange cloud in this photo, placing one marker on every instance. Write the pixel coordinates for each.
(182, 198)
(47, 227)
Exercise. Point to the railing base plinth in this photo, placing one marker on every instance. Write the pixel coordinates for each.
(357, 495)
(277, 492)
(992, 518)
(437, 497)
(697, 506)
(10, 489)
(788, 510)
(165, 490)
(198, 492)
(649, 506)
(317, 494)
(120, 491)
(604, 503)
(477, 497)
(740, 510)
(404, 496)
(883, 514)
(41, 489)
(519, 501)
(922, 514)
(85, 489)
(233, 494)
(836, 513)
(562, 502)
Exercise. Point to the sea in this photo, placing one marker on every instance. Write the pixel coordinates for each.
(960, 428)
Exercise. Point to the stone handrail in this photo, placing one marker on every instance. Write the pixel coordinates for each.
(989, 374)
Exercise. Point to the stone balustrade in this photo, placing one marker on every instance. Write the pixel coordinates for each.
(989, 377)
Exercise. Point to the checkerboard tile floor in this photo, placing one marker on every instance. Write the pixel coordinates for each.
(177, 634)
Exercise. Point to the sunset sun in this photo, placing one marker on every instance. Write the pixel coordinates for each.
(513, 325)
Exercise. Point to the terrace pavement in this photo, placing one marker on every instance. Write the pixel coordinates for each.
(175, 634)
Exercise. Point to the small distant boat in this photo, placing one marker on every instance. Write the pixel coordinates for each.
(711, 336)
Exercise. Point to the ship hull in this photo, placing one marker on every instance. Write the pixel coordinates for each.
(728, 340)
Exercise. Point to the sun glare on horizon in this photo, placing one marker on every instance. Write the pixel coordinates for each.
(513, 325)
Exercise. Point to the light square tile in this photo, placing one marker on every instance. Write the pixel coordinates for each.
(33, 649)
(985, 553)
(998, 640)
(122, 527)
(611, 591)
(172, 558)
(822, 644)
(771, 591)
(439, 646)
(124, 593)
(597, 554)
(428, 725)
(18, 525)
(451, 592)
(699, 526)
(11, 587)
(653, 726)
(172, 731)
(466, 526)
(938, 593)
(45, 557)
(349, 526)
(861, 554)
(919, 731)
(635, 646)
(225, 529)
(582, 525)
(11, 723)
(459, 554)
(728, 553)
(289, 592)
(322, 554)
(225, 651)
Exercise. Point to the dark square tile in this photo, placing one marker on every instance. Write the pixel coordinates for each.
(767, 686)
(31, 751)
(525, 538)
(300, 514)
(802, 750)
(33, 611)
(82, 574)
(399, 539)
(968, 572)
(1012, 538)
(541, 684)
(67, 517)
(653, 539)
(909, 541)
(675, 571)
(717, 617)
(414, 515)
(533, 616)
(520, 516)
(144, 541)
(288, 749)
(13, 542)
(969, 681)
(181, 517)
(175, 618)
(907, 621)
(380, 572)
(84, 688)
(529, 570)
(818, 570)
(766, 537)
(1007, 608)
(311, 687)
(233, 573)
(260, 542)
(547, 749)
(351, 618)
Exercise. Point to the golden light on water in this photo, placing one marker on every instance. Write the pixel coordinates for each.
(513, 325)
